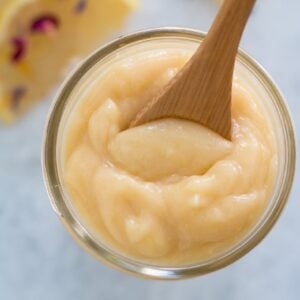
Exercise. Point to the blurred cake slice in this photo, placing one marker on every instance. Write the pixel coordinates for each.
(39, 38)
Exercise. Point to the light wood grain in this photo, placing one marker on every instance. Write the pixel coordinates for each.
(201, 91)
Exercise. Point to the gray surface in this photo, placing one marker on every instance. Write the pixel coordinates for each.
(38, 259)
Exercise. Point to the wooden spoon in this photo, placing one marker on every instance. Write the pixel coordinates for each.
(201, 91)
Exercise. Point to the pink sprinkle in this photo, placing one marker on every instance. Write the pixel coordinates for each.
(80, 6)
(19, 45)
(45, 24)
(17, 94)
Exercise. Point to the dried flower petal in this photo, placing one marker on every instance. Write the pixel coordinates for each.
(47, 24)
(17, 94)
(80, 6)
(19, 45)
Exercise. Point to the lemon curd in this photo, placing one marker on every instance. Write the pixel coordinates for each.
(170, 191)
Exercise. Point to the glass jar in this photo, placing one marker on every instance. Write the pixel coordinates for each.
(257, 80)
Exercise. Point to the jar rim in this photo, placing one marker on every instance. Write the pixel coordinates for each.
(113, 258)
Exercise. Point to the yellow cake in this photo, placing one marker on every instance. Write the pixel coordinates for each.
(38, 39)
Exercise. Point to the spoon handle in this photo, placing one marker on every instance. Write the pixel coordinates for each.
(223, 39)
(201, 91)
(215, 61)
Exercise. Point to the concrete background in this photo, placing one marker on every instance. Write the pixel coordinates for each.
(39, 260)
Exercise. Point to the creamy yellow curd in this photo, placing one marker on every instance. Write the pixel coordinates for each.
(169, 192)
